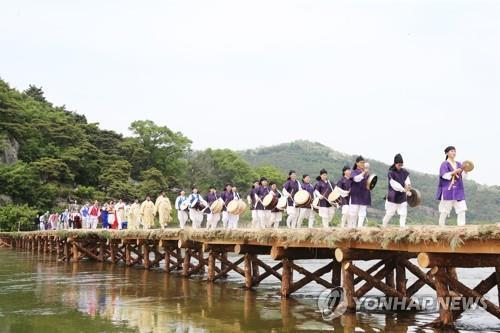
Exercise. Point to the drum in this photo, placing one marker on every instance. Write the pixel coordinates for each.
(302, 199)
(184, 205)
(232, 207)
(282, 203)
(241, 207)
(467, 166)
(415, 199)
(270, 201)
(199, 205)
(216, 206)
(371, 181)
(334, 198)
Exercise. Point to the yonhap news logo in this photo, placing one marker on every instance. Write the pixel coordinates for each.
(332, 303)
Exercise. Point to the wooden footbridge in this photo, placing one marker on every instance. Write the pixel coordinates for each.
(438, 252)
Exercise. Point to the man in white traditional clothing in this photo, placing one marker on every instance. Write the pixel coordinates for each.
(147, 213)
(196, 202)
(164, 209)
(120, 214)
(134, 215)
(182, 214)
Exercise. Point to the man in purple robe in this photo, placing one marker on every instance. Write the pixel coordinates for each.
(398, 189)
(232, 222)
(345, 184)
(263, 213)
(290, 188)
(360, 194)
(276, 214)
(227, 197)
(253, 203)
(306, 212)
(322, 190)
(212, 218)
(450, 190)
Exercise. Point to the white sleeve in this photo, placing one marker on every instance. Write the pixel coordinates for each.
(316, 193)
(285, 192)
(396, 186)
(447, 175)
(177, 202)
(358, 178)
(407, 181)
(343, 193)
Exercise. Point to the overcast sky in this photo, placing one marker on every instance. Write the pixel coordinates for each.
(363, 77)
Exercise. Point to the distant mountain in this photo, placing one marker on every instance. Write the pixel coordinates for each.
(309, 157)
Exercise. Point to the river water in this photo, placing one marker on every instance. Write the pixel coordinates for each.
(40, 294)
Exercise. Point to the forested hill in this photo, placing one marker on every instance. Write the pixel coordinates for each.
(309, 157)
(50, 155)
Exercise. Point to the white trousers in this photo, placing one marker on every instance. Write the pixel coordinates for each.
(196, 217)
(345, 216)
(445, 207)
(326, 214)
(264, 218)
(232, 221)
(359, 212)
(182, 216)
(276, 219)
(86, 222)
(225, 219)
(93, 222)
(390, 210)
(255, 219)
(212, 220)
(306, 213)
(293, 216)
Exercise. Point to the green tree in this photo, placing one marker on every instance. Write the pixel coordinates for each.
(36, 93)
(153, 182)
(17, 217)
(164, 148)
(53, 169)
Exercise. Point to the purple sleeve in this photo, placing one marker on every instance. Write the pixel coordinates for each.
(287, 186)
(445, 168)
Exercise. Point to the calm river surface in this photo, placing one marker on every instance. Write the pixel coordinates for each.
(39, 294)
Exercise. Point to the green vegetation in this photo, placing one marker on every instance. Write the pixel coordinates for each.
(50, 155)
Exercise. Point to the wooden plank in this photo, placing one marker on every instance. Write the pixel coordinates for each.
(445, 312)
(296, 253)
(452, 260)
(466, 291)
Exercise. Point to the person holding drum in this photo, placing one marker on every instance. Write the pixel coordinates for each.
(398, 189)
(233, 219)
(252, 202)
(226, 197)
(306, 212)
(182, 214)
(360, 194)
(276, 213)
(450, 192)
(291, 187)
(322, 190)
(196, 207)
(345, 184)
(213, 218)
(263, 213)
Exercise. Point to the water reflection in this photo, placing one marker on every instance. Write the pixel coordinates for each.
(152, 301)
